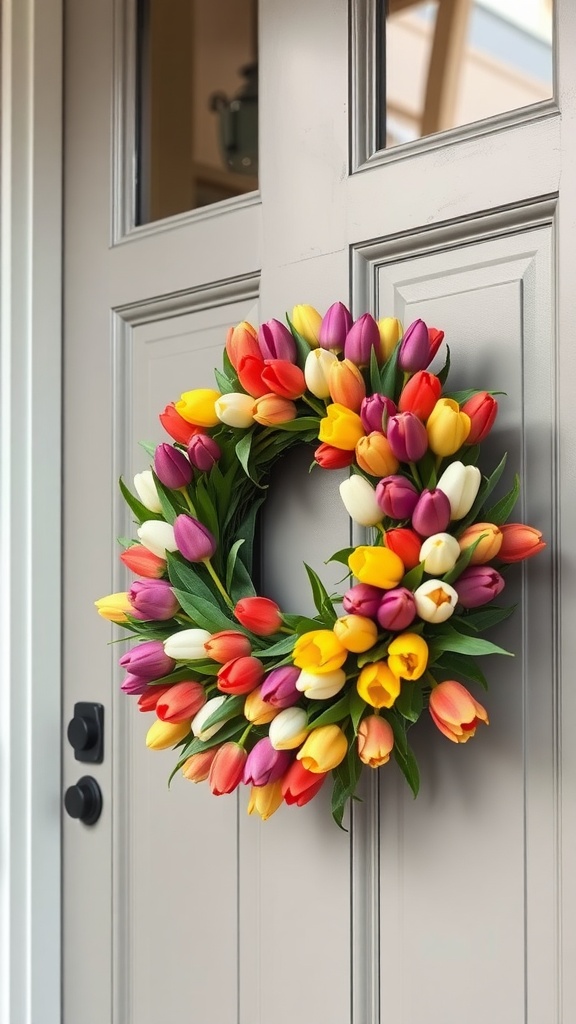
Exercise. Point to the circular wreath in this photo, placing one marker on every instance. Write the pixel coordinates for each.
(249, 693)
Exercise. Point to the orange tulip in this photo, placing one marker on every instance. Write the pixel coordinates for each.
(455, 712)
(346, 384)
(375, 456)
(143, 562)
(488, 547)
(519, 542)
(197, 767)
(271, 409)
(375, 741)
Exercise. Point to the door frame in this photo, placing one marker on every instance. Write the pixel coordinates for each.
(30, 502)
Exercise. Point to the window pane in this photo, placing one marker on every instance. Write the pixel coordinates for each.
(453, 62)
(197, 102)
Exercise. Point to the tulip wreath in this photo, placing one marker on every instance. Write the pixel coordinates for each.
(249, 693)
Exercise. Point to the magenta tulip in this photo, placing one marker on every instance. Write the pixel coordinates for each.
(336, 323)
(193, 539)
(203, 452)
(362, 337)
(276, 342)
(362, 599)
(148, 660)
(407, 437)
(397, 497)
(265, 764)
(432, 513)
(279, 687)
(153, 599)
(374, 411)
(134, 685)
(397, 609)
(478, 585)
(414, 348)
(172, 467)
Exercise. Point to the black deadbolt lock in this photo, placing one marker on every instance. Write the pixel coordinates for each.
(84, 800)
(86, 732)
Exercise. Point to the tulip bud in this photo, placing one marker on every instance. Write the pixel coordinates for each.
(341, 427)
(356, 633)
(187, 645)
(362, 599)
(346, 385)
(435, 601)
(375, 741)
(226, 645)
(447, 427)
(307, 321)
(265, 800)
(460, 484)
(140, 560)
(240, 342)
(181, 702)
(318, 651)
(134, 686)
(289, 729)
(157, 536)
(324, 749)
(203, 452)
(153, 599)
(397, 609)
(145, 488)
(379, 567)
(362, 337)
(172, 467)
(378, 685)
(198, 407)
(390, 331)
(176, 426)
(162, 735)
(256, 710)
(150, 696)
(432, 513)
(375, 411)
(276, 342)
(455, 712)
(235, 410)
(240, 675)
(197, 767)
(271, 409)
(194, 540)
(397, 497)
(407, 436)
(148, 660)
(375, 456)
(435, 339)
(316, 371)
(414, 348)
(482, 410)
(283, 378)
(478, 585)
(258, 614)
(360, 502)
(519, 542)
(335, 325)
(250, 370)
(279, 687)
(115, 607)
(227, 769)
(204, 714)
(408, 656)
(318, 685)
(265, 764)
(333, 458)
(420, 394)
(440, 552)
(299, 786)
(406, 544)
(489, 542)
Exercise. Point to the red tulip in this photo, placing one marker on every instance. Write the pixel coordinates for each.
(143, 562)
(181, 701)
(519, 542)
(482, 410)
(258, 614)
(149, 699)
(299, 785)
(241, 675)
(250, 370)
(333, 458)
(420, 394)
(175, 425)
(283, 378)
(227, 768)
(226, 645)
(406, 544)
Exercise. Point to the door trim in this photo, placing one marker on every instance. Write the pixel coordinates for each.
(30, 499)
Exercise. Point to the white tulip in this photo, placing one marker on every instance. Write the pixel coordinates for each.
(187, 644)
(359, 499)
(317, 371)
(460, 484)
(235, 409)
(145, 488)
(321, 687)
(157, 536)
(288, 729)
(440, 552)
(435, 601)
(203, 715)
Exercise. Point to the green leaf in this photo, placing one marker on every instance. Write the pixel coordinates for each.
(475, 647)
(205, 614)
(357, 708)
(302, 346)
(241, 585)
(484, 492)
(374, 373)
(376, 653)
(301, 623)
(346, 777)
(468, 454)
(442, 376)
(172, 503)
(464, 561)
(140, 511)
(232, 706)
(148, 447)
(410, 701)
(187, 578)
(243, 449)
(231, 562)
(225, 385)
(403, 755)
(321, 597)
(485, 618)
(413, 579)
(389, 375)
(341, 556)
(500, 512)
(205, 508)
(336, 713)
(461, 665)
(277, 650)
(302, 424)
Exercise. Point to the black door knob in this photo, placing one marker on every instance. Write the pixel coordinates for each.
(86, 732)
(84, 800)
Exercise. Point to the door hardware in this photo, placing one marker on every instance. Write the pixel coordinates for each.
(86, 732)
(84, 800)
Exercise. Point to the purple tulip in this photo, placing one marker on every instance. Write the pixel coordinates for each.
(279, 687)
(362, 599)
(414, 352)
(133, 685)
(153, 599)
(172, 467)
(193, 539)
(335, 325)
(478, 585)
(264, 764)
(397, 497)
(374, 410)
(203, 452)
(276, 342)
(148, 660)
(407, 437)
(432, 513)
(362, 337)
(397, 609)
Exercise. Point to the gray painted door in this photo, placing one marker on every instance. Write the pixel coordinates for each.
(448, 909)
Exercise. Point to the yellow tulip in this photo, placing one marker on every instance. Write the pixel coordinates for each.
(319, 651)
(390, 330)
(378, 685)
(166, 734)
(356, 633)
(114, 607)
(324, 749)
(408, 656)
(307, 322)
(341, 427)
(198, 407)
(380, 567)
(265, 799)
(488, 547)
(257, 710)
(375, 456)
(447, 427)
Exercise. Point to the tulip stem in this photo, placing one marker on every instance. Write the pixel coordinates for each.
(214, 575)
(188, 500)
(315, 406)
(285, 629)
(415, 474)
(430, 679)
(244, 736)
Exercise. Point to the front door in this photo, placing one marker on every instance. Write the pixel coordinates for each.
(177, 905)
